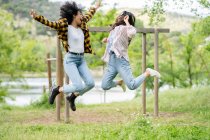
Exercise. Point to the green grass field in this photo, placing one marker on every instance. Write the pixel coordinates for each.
(184, 114)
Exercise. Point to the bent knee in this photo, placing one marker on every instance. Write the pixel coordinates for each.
(91, 84)
(131, 87)
(105, 86)
(79, 87)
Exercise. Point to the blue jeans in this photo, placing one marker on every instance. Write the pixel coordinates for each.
(77, 70)
(121, 66)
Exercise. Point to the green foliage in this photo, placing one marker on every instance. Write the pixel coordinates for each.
(205, 3)
(196, 61)
(9, 40)
(19, 52)
(143, 128)
(21, 10)
(184, 114)
(3, 94)
(156, 9)
(183, 100)
(156, 12)
(202, 27)
(30, 55)
(184, 58)
(43, 102)
(100, 19)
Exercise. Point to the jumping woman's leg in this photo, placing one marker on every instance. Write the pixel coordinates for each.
(110, 74)
(86, 76)
(124, 69)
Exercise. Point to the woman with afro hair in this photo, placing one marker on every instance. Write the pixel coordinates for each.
(75, 38)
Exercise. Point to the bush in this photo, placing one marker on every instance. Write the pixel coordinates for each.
(43, 102)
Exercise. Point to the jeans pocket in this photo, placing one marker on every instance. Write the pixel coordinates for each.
(68, 60)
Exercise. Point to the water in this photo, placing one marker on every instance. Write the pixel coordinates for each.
(23, 97)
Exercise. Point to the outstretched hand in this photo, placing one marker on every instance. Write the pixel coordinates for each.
(98, 4)
(104, 40)
(33, 13)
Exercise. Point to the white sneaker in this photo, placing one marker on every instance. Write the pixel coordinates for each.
(153, 72)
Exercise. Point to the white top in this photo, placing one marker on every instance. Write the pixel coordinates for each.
(75, 39)
(118, 41)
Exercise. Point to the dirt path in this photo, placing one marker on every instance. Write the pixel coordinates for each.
(94, 116)
(79, 116)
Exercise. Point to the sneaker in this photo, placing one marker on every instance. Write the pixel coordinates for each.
(123, 86)
(153, 72)
(54, 93)
(71, 100)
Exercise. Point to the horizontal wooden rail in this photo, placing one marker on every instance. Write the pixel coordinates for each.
(139, 30)
(51, 59)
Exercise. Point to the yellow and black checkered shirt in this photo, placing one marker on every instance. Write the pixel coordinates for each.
(62, 28)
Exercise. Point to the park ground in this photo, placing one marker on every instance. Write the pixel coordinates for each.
(184, 114)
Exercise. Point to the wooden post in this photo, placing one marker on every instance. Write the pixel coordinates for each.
(143, 70)
(60, 74)
(104, 90)
(156, 79)
(101, 44)
(66, 101)
(59, 77)
(49, 71)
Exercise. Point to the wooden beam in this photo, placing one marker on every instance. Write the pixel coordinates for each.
(66, 102)
(139, 30)
(156, 79)
(59, 77)
(51, 59)
(143, 70)
(49, 72)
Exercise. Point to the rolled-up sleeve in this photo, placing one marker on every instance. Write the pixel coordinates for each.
(131, 31)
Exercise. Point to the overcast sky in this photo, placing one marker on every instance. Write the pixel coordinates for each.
(172, 7)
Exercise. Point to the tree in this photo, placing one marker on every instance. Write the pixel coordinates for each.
(18, 51)
(21, 8)
(156, 8)
(167, 67)
(195, 55)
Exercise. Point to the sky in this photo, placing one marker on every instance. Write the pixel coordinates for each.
(172, 7)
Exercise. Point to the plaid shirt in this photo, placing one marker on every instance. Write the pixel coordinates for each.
(62, 28)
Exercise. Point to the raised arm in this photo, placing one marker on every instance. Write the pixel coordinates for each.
(53, 24)
(87, 16)
(131, 31)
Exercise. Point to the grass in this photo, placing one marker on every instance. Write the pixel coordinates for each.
(184, 114)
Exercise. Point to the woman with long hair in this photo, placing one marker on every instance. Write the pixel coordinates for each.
(116, 55)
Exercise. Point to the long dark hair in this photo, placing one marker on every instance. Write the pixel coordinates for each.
(120, 19)
(68, 10)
